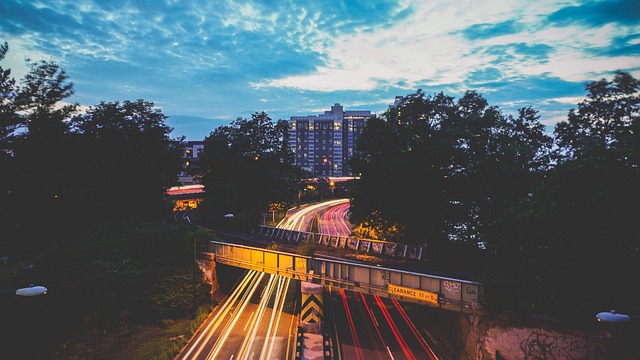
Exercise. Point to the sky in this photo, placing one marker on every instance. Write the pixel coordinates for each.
(206, 63)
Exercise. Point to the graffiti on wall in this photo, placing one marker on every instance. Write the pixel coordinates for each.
(544, 346)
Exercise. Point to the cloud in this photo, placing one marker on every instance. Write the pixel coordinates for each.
(230, 58)
(597, 13)
(485, 31)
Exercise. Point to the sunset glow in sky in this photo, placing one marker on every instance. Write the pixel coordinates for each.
(205, 63)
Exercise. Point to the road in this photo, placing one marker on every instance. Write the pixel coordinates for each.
(256, 321)
(371, 327)
(335, 219)
(365, 326)
(300, 219)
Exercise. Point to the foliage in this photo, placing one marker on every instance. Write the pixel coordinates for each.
(554, 228)
(378, 228)
(41, 90)
(114, 161)
(118, 274)
(248, 166)
(9, 119)
(460, 162)
(131, 160)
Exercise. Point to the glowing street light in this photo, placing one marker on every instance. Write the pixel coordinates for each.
(32, 290)
(612, 317)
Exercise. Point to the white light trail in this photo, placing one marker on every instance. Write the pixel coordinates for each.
(224, 309)
(227, 330)
(296, 220)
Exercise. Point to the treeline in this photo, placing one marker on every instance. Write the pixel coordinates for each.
(62, 167)
(81, 209)
(547, 222)
(248, 168)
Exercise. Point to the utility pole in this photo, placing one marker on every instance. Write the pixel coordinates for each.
(195, 268)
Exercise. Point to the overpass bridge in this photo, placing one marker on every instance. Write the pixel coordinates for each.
(436, 291)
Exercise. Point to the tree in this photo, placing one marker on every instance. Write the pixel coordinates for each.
(593, 196)
(40, 175)
(42, 89)
(574, 233)
(461, 162)
(9, 119)
(604, 124)
(129, 159)
(248, 166)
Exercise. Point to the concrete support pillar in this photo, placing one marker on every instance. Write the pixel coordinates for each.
(312, 307)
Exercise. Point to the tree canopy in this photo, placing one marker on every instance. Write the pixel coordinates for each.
(459, 162)
(62, 167)
(248, 166)
(539, 218)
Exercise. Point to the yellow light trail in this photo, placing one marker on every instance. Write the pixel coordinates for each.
(276, 314)
(249, 339)
(229, 325)
(224, 309)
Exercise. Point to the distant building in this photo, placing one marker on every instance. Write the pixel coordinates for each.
(324, 143)
(191, 170)
(395, 111)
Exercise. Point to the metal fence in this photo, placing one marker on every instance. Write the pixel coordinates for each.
(366, 246)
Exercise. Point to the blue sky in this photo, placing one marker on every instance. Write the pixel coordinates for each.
(205, 63)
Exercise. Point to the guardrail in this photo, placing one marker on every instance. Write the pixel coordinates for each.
(343, 242)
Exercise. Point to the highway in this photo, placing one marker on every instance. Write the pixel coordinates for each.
(334, 220)
(365, 326)
(300, 219)
(370, 327)
(256, 321)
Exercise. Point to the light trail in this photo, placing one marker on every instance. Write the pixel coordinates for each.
(249, 339)
(224, 309)
(276, 314)
(297, 219)
(354, 335)
(334, 220)
(394, 328)
(416, 333)
(242, 329)
(213, 354)
(375, 321)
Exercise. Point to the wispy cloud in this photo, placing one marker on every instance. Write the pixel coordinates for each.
(230, 58)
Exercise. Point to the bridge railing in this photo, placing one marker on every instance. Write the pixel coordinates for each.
(343, 242)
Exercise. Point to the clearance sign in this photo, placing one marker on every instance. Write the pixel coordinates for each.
(427, 296)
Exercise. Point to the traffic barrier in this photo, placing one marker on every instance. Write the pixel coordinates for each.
(311, 315)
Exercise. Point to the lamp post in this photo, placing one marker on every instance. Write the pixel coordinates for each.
(32, 290)
(622, 334)
(612, 317)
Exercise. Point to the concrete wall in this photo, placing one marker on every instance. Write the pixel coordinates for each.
(493, 339)
(474, 337)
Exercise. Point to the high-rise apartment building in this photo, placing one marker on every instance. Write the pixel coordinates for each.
(324, 143)
(191, 171)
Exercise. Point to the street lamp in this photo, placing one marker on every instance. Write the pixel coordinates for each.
(612, 317)
(32, 290)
